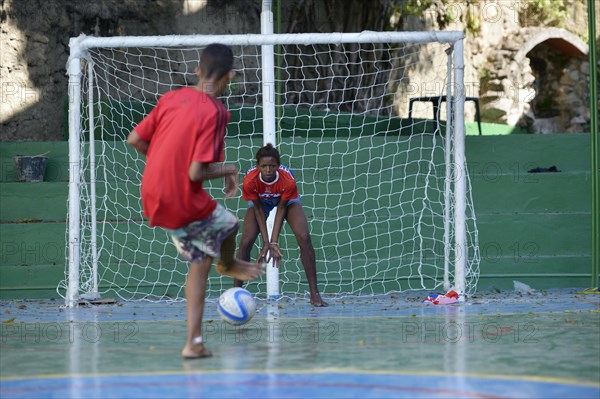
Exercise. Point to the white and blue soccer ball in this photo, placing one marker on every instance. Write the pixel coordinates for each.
(236, 306)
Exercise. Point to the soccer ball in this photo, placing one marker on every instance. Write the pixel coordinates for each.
(236, 306)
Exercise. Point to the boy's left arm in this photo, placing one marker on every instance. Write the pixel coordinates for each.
(136, 142)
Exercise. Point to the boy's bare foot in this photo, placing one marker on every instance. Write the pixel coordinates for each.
(317, 302)
(241, 270)
(196, 351)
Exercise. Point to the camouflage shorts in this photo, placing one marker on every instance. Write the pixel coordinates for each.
(199, 240)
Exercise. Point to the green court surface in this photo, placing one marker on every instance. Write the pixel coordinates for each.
(539, 344)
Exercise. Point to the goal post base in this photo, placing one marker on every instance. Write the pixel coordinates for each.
(97, 301)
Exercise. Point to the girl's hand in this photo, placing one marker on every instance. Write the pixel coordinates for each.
(270, 251)
(264, 252)
(275, 252)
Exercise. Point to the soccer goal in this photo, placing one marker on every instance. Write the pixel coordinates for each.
(387, 197)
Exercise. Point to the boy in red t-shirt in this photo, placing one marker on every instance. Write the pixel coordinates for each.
(267, 186)
(183, 139)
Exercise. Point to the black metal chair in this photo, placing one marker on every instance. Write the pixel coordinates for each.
(436, 107)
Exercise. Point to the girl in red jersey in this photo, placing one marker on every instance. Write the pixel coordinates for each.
(270, 185)
(183, 139)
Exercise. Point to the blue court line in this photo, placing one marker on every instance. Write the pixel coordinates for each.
(294, 384)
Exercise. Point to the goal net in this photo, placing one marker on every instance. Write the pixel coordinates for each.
(387, 197)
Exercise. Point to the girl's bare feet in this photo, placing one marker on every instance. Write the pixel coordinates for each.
(316, 301)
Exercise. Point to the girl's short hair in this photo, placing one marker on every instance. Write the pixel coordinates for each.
(268, 151)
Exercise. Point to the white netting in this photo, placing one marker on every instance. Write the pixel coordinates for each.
(372, 181)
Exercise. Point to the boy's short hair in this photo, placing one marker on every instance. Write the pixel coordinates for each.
(216, 60)
(268, 151)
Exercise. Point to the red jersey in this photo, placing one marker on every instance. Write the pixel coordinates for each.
(282, 188)
(186, 125)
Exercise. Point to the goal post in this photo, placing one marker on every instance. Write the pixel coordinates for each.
(269, 127)
(387, 197)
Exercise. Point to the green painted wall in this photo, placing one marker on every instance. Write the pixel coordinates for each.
(115, 118)
(534, 228)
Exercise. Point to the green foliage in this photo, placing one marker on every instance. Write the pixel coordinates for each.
(472, 21)
(467, 12)
(544, 13)
(412, 7)
(403, 9)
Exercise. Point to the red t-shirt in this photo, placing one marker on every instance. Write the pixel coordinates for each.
(186, 125)
(282, 188)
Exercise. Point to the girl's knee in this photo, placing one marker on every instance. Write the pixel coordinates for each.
(304, 241)
(246, 245)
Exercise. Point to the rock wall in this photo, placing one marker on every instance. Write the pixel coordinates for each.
(35, 37)
(34, 47)
(503, 38)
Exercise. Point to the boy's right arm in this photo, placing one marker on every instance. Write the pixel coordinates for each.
(199, 171)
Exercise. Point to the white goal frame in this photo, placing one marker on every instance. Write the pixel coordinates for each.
(455, 168)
